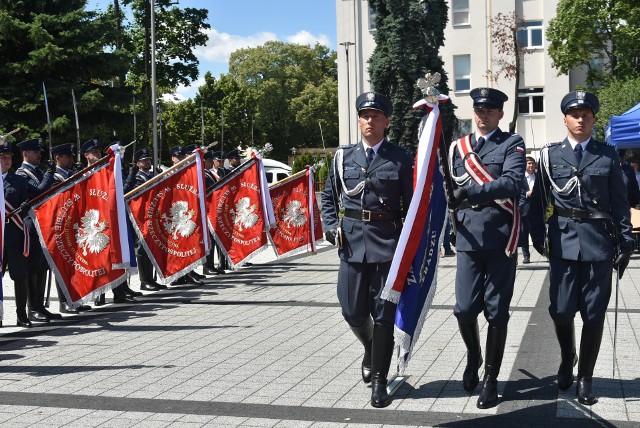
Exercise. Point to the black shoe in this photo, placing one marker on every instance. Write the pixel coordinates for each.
(489, 396)
(148, 287)
(100, 301)
(50, 315)
(66, 309)
(83, 308)
(584, 391)
(37, 316)
(193, 279)
(129, 292)
(526, 261)
(23, 321)
(379, 396)
(196, 275)
(567, 340)
(449, 254)
(364, 333)
(124, 299)
(210, 271)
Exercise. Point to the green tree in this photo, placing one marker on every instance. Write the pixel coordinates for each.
(408, 36)
(615, 98)
(588, 30)
(66, 47)
(178, 31)
(277, 76)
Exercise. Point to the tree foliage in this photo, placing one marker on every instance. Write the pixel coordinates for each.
(65, 47)
(617, 97)
(504, 36)
(588, 30)
(287, 85)
(408, 36)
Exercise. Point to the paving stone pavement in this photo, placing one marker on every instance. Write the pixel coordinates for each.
(266, 346)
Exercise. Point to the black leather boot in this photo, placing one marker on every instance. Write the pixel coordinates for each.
(567, 340)
(589, 348)
(119, 295)
(364, 333)
(21, 291)
(100, 300)
(381, 354)
(146, 276)
(471, 337)
(33, 300)
(128, 291)
(496, 340)
(66, 309)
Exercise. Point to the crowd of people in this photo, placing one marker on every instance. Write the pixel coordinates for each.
(24, 258)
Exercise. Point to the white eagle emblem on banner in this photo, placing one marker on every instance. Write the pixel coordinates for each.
(294, 214)
(179, 222)
(89, 235)
(243, 216)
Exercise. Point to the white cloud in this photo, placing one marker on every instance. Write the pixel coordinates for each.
(221, 45)
(306, 38)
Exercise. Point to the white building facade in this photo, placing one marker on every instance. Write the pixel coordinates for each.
(468, 54)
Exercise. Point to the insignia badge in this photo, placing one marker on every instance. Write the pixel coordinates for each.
(294, 214)
(427, 85)
(371, 96)
(580, 95)
(243, 215)
(179, 220)
(484, 92)
(89, 234)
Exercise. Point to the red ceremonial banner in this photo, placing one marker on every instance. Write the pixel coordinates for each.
(296, 230)
(169, 218)
(79, 229)
(236, 213)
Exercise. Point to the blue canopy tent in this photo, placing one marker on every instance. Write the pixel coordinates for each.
(624, 131)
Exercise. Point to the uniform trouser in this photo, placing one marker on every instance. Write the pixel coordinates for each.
(579, 286)
(359, 288)
(484, 282)
(523, 241)
(19, 274)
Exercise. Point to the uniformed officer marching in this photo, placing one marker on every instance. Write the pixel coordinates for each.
(20, 237)
(373, 181)
(31, 151)
(233, 156)
(583, 180)
(211, 178)
(218, 171)
(485, 273)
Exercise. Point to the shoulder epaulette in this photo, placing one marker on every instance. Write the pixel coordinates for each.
(555, 143)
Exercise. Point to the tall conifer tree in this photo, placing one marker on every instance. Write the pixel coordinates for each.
(408, 35)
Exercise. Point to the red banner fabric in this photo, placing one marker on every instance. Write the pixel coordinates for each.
(295, 230)
(79, 231)
(236, 214)
(168, 218)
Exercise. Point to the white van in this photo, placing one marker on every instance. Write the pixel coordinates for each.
(275, 170)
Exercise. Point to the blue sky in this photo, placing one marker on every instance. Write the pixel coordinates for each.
(250, 23)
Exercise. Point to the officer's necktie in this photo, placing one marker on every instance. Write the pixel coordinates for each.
(479, 144)
(370, 154)
(578, 150)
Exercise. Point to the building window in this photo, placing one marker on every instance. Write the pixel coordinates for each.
(462, 72)
(460, 11)
(530, 100)
(530, 34)
(372, 19)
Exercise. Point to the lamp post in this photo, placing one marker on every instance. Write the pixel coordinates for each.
(346, 53)
(154, 101)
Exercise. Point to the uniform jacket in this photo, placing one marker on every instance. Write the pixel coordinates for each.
(17, 190)
(488, 227)
(388, 187)
(587, 239)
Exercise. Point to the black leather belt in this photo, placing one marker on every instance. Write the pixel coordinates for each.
(578, 214)
(366, 215)
(466, 204)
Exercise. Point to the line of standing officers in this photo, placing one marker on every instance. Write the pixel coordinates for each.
(23, 255)
(579, 218)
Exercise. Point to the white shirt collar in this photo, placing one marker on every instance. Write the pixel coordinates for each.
(375, 148)
(486, 137)
(574, 143)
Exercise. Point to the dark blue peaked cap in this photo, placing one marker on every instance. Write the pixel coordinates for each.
(62, 149)
(90, 145)
(32, 144)
(374, 101)
(488, 98)
(577, 99)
